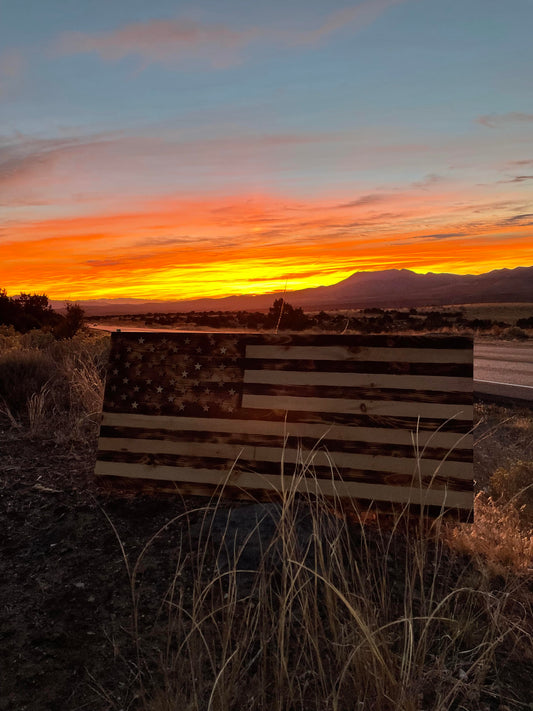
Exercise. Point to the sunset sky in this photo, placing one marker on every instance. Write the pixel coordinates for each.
(178, 150)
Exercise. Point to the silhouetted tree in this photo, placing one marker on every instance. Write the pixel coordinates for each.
(33, 311)
(283, 315)
(71, 323)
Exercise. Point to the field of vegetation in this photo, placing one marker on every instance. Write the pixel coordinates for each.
(506, 321)
(115, 599)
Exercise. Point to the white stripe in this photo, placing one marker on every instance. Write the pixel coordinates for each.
(248, 480)
(512, 385)
(387, 355)
(357, 407)
(285, 429)
(363, 380)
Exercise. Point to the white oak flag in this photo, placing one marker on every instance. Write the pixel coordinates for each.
(376, 418)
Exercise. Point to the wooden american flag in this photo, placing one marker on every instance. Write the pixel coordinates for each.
(224, 408)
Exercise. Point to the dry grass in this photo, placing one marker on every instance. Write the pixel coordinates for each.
(333, 615)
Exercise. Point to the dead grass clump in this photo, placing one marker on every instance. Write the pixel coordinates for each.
(497, 536)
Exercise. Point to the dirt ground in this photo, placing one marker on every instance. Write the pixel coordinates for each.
(65, 599)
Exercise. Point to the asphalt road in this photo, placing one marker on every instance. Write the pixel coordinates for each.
(504, 362)
(504, 370)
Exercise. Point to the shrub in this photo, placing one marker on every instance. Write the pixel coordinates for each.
(24, 377)
(495, 536)
(514, 333)
(515, 485)
(53, 387)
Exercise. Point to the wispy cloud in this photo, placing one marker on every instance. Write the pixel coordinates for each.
(428, 181)
(353, 18)
(364, 200)
(517, 179)
(28, 160)
(524, 219)
(173, 40)
(497, 120)
(442, 235)
(102, 263)
(528, 161)
(160, 41)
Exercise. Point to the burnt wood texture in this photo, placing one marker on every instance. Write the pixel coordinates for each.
(373, 418)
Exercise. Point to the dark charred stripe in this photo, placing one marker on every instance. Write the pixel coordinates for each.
(260, 467)
(361, 341)
(215, 341)
(307, 443)
(335, 391)
(460, 426)
(461, 370)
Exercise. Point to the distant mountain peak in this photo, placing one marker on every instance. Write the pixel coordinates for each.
(362, 289)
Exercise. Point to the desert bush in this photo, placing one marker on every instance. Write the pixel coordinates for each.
(514, 333)
(52, 387)
(25, 375)
(514, 485)
(497, 536)
(9, 338)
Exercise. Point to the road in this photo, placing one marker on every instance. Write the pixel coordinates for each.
(503, 370)
(504, 362)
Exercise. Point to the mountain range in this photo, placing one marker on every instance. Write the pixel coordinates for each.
(392, 288)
